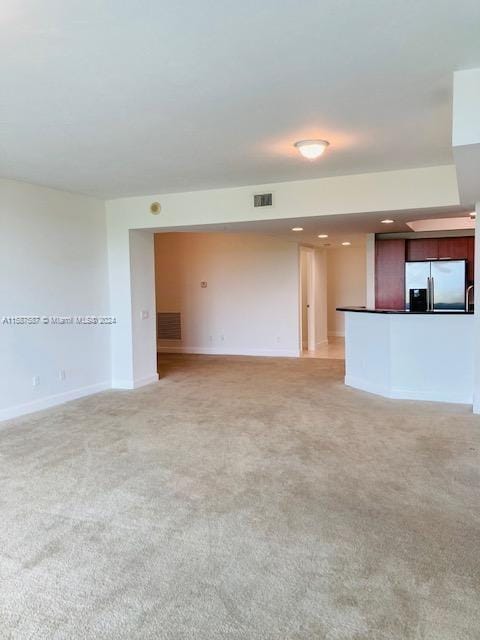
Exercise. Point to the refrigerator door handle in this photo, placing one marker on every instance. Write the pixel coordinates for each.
(428, 293)
(432, 294)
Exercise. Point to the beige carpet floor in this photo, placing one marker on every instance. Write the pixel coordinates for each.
(241, 498)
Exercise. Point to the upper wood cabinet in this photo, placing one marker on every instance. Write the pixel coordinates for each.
(458, 249)
(422, 249)
(454, 248)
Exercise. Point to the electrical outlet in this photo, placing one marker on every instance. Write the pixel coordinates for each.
(61, 374)
(144, 315)
(35, 381)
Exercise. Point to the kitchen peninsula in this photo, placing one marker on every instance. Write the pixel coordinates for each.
(410, 355)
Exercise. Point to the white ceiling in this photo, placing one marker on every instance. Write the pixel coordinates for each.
(339, 228)
(119, 98)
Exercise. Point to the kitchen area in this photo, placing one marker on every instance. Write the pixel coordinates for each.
(416, 342)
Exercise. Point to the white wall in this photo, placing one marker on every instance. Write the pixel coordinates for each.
(346, 284)
(305, 284)
(321, 299)
(476, 318)
(250, 304)
(142, 274)
(52, 262)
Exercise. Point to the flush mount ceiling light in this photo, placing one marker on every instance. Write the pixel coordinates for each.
(388, 221)
(346, 244)
(297, 228)
(323, 235)
(311, 149)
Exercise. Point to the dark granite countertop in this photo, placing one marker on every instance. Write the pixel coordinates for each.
(404, 312)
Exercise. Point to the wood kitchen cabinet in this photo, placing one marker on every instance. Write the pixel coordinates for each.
(455, 248)
(390, 274)
(422, 249)
(458, 249)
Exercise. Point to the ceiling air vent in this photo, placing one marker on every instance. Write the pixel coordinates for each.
(262, 200)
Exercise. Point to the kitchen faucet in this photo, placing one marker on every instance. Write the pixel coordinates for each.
(467, 297)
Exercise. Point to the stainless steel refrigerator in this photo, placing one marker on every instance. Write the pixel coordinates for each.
(444, 280)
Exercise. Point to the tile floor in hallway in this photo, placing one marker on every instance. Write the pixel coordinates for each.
(333, 350)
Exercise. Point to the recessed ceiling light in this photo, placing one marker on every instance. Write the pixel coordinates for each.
(346, 244)
(311, 149)
(323, 235)
(297, 228)
(387, 221)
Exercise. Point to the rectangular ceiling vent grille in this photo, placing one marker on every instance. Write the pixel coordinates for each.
(262, 200)
(169, 326)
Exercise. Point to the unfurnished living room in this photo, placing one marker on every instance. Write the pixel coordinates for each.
(239, 337)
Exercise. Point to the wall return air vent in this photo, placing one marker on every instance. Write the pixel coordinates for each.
(169, 326)
(262, 200)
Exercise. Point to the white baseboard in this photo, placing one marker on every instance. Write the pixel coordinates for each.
(431, 396)
(408, 394)
(51, 401)
(134, 384)
(364, 385)
(216, 351)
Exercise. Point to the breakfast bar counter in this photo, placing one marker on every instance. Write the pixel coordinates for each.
(410, 355)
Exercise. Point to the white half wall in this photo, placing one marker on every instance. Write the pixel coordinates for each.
(411, 357)
(53, 262)
(250, 303)
(346, 284)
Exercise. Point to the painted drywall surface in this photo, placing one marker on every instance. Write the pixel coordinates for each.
(416, 188)
(53, 262)
(476, 321)
(466, 134)
(321, 300)
(417, 357)
(466, 97)
(250, 303)
(385, 191)
(305, 267)
(143, 312)
(346, 284)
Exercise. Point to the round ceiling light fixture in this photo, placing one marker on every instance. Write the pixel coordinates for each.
(323, 235)
(388, 221)
(297, 228)
(346, 244)
(311, 149)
